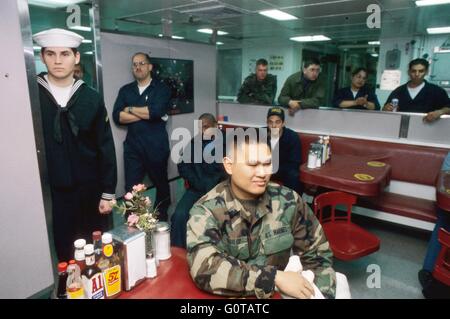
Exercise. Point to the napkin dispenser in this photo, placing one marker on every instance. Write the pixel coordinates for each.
(131, 242)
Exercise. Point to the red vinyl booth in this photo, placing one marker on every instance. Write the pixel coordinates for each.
(410, 163)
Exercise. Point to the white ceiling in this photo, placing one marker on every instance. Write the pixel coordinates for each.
(344, 21)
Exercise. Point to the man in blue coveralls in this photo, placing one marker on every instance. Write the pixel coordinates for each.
(142, 106)
(200, 176)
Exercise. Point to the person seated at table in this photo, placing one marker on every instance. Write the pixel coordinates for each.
(434, 247)
(357, 95)
(200, 177)
(260, 87)
(240, 234)
(287, 144)
(419, 96)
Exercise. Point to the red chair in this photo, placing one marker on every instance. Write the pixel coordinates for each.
(441, 270)
(347, 241)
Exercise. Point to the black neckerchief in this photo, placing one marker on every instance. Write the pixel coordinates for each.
(57, 130)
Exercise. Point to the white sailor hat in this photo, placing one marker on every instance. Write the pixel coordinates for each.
(58, 38)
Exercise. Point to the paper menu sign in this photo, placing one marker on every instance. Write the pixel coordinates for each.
(390, 79)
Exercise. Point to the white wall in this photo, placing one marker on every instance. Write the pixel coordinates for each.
(116, 58)
(25, 262)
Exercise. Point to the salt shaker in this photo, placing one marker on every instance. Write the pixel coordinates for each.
(319, 158)
(162, 241)
(151, 266)
(312, 158)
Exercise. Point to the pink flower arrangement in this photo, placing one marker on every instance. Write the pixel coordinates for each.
(133, 220)
(139, 209)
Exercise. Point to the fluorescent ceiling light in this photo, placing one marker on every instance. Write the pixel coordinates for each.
(375, 55)
(219, 43)
(204, 8)
(210, 31)
(374, 43)
(310, 38)
(54, 3)
(422, 3)
(176, 37)
(438, 30)
(86, 41)
(36, 48)
(160, 35)
(81, 28)
(278, 15)
(89, 52)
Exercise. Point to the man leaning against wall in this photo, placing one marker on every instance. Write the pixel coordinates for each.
(304, 89)
(260, 87)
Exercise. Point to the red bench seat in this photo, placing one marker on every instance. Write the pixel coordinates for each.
(409, 163)
(407, 206)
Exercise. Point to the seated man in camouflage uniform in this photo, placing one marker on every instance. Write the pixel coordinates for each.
(240, 234)
(260, 87)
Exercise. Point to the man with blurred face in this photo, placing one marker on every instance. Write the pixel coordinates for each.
(303, 89)
(80, 152)
(142, 106)
(287, 144)
(419, 96)
(260, 87)
(199, 178)
(240, 234)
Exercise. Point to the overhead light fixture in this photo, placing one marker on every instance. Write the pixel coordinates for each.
(86, 41)
(375, 55)
(160, 35)
(310, 38)
(423, 3)
(81, 28)
(89, 52)
(374, 42)
(176, 37)
(54, 3)
(278, 15)
(438, 30)
(202, 9)
(219, 43)
(210, 31)
(36, 48)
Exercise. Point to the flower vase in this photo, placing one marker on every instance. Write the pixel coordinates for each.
(150, 243)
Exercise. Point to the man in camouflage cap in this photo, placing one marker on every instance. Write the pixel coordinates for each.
(260, 87)
(240, 234)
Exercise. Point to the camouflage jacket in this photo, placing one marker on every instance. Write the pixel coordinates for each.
(311, 96)
(258, 92)
(232, 253)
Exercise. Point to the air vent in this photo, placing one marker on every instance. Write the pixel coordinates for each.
(446, 45)
(138, 21)
(212, 12)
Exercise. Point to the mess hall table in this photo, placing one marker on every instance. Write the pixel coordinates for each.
(352, 174)
(172, 282)
(443, 190)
